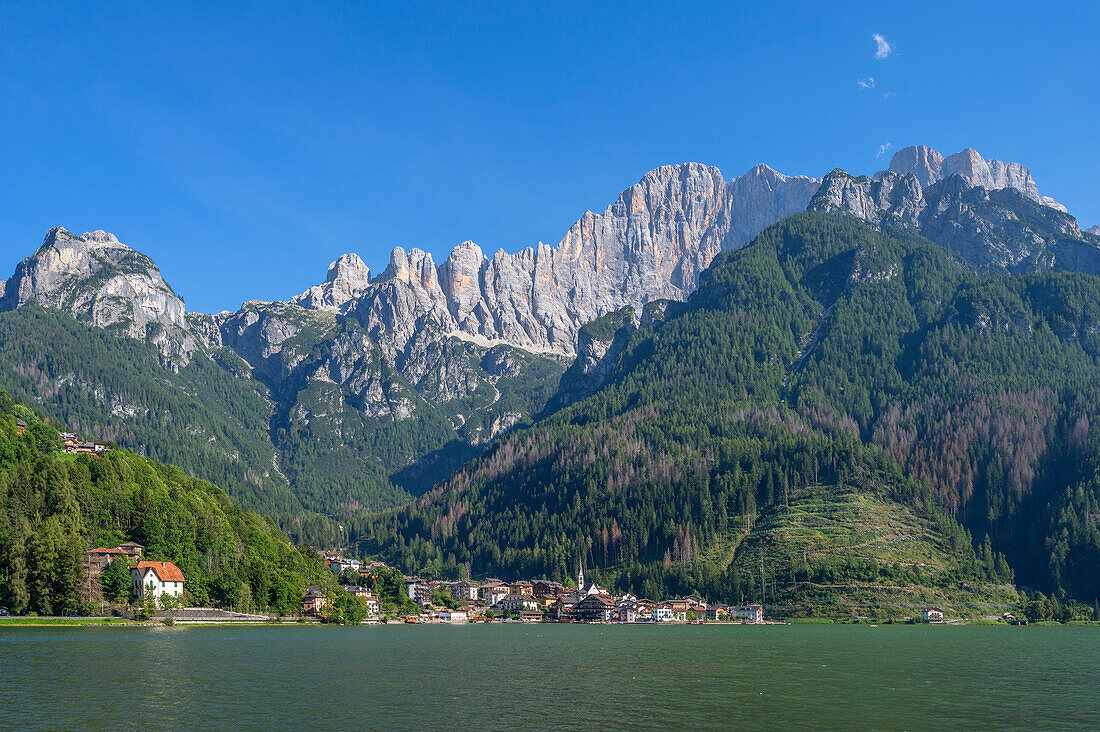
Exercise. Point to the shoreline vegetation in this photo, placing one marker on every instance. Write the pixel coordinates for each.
(28, 621)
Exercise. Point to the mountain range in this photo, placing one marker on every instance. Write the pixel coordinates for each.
(366, 391)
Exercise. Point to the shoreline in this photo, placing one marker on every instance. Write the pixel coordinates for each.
(101, 622)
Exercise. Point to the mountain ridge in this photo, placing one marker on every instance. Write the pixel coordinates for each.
(375, 387)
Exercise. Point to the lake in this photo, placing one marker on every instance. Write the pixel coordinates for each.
(550, 676)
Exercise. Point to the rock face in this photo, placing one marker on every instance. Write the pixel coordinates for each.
(348, 278)
(929, 167)
(652, 243)
(103, 282)
(988, 212)
(1094, 230)
(599, 345)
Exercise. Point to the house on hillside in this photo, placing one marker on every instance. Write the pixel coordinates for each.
(97, 560)
(357, 591)
(20, 426)
(158, 579)
(418, 590)
(315, 599)
(85, 448)
(932, 615)
(131, 549)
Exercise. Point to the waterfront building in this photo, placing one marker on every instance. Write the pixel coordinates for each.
(157, 579)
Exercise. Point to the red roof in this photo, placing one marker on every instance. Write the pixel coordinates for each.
(167, 571)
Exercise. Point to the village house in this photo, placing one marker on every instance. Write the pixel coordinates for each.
(85, 448)
(695, 600)
(20, 426)
(718, 612)
(677, 609)
(530, 616)
(747, 613)
(594, 608)
(932, 615)
(661, 613)
(523, 587)
(643, 611)
(626, 611)
(314, 600)
(158, 579)
(464, 591)
(491, 593)
(515, 603)
(562, 610)
(547, 587)
(418, 590)
(357, 591)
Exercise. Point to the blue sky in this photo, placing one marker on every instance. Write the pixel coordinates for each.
(245, 146)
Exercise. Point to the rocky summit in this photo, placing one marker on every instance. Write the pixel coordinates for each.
(103, 282)
(987, 212)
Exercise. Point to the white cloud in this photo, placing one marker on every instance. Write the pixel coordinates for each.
(882, 46)
(889, 95)
(868, 83)
(883, 149)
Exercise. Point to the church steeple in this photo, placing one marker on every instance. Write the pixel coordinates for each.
(580, 577)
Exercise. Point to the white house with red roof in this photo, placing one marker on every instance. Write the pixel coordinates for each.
(156, 578)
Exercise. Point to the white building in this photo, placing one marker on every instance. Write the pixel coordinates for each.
(463, 591)
(515, 603)
(748, 613)
(453, 616)
(932, 615)
(157, 579)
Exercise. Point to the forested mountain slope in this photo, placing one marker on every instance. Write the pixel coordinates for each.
(54, 506)
(366, 391)
(825, 358)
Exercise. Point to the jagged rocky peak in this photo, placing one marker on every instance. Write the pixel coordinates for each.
(995, 229)
(105, 283)
(348, 278)
(920, 160)
(1094, 230)
(929, 166)
(415, 268)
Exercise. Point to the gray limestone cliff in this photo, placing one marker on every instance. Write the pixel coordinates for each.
(988, 213)
(104, 283)
(348, 278)
(651, 243)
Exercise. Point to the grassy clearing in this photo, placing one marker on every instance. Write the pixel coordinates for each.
(833, 552)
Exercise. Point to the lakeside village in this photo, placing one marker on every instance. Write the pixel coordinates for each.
(158, 587)
(156, 590)
(536, 600)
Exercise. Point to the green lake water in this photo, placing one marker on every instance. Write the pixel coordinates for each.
(550, 677)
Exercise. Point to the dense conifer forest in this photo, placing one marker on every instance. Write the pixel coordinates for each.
(54, 506)
(824, 358)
